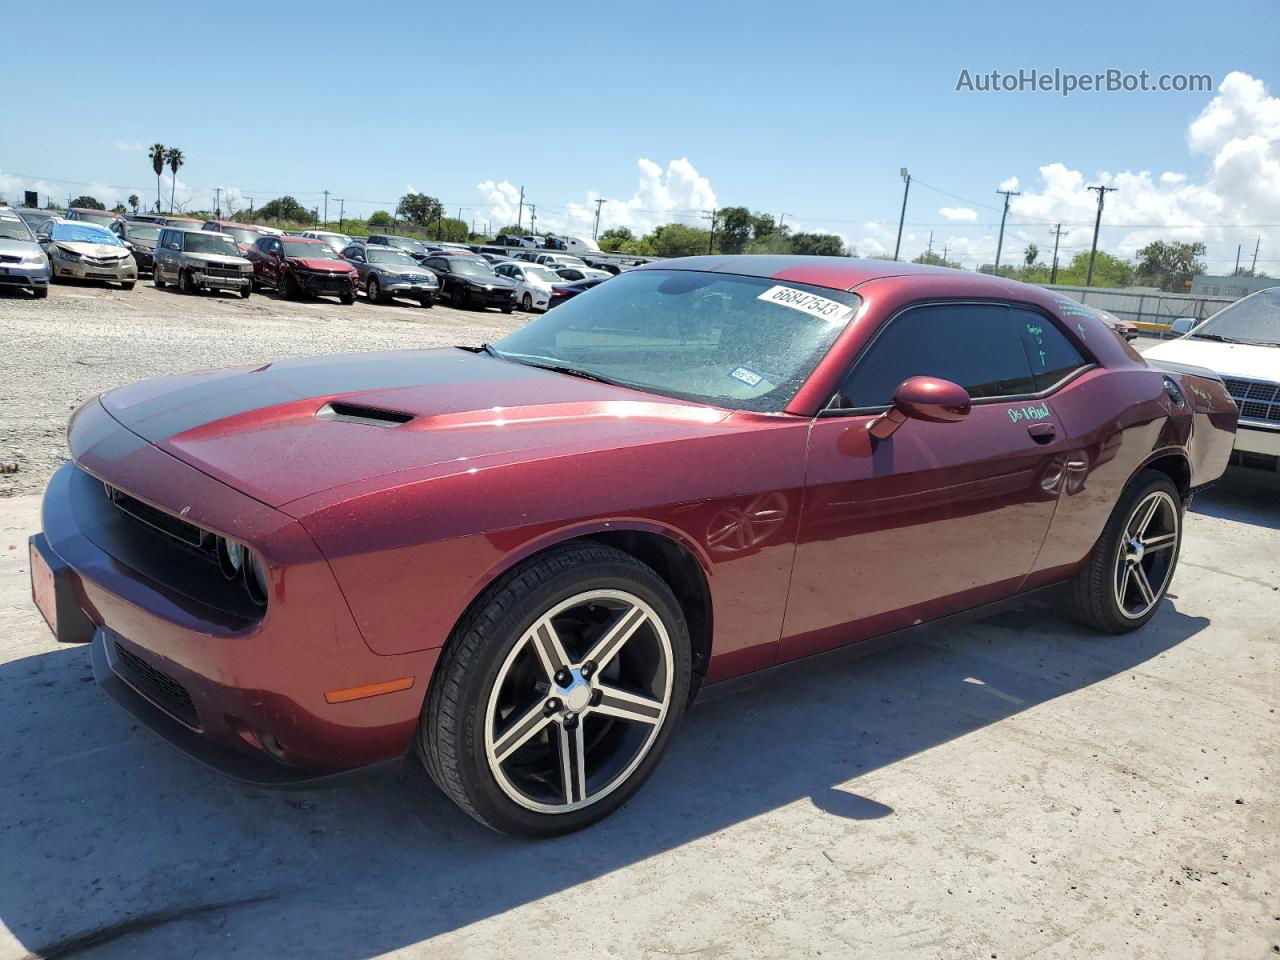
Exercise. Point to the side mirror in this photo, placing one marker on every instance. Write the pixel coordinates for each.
(172, 246)
(922, 398)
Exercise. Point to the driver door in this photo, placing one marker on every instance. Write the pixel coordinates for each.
(939, 517)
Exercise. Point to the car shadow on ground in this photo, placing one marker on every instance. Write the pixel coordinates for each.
(1244, 495)
(111, 840)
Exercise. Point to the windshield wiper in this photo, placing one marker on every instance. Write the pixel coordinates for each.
(570, 371)
(1217, 337)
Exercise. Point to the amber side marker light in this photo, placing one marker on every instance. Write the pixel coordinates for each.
(368, 690)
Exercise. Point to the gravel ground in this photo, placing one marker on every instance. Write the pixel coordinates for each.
(86, 339)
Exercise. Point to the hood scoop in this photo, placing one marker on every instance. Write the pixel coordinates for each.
(359, 413)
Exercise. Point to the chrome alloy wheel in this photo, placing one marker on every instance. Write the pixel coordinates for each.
(578, 702)
(1144, 564)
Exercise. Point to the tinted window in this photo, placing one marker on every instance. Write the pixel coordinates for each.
(974, 345)
(1051, 355)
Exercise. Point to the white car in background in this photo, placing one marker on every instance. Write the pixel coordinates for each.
(337, 242)
(1241, 344)
(557, 260)
(574, 274)
(533, 283)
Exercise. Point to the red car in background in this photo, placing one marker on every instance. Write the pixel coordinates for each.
(522, 561)
(300, 266)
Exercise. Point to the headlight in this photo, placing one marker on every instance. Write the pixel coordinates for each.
(35, 260)
(239, 562)
(230, 557)
(198, 264)
(66, 254)
(255, 578)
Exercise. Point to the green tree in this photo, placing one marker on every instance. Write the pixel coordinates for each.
(613, 239)
(678, 240)
(156, 155)
(1029, 255)
(511, 230)
(451, 229)
(134, 201)
(285, 208)
(87, 202)
(174, 158)
(419, 208)
(1108, 271)
(937, 260)
(817, 245)
(380, 218)
(1169, 264)
(119, 208)
(738, 229)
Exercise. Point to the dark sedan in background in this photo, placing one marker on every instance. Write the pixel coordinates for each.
(471, 282)
(561, 292)
(141, 239)
(415, 248)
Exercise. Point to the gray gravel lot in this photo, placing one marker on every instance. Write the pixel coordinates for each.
(1017, 788)
(85, 339)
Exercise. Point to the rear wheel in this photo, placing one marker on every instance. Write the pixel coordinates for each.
(558, 692)
(1129, 571)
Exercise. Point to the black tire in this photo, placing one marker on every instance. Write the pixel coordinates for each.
(285, 285)
(427, 302)
(347, 299)
(40, 292)
(373, 290)
(526, 303)
(1092, 597)
(508, 308)
(156, 281)
(127, 284)
(458, 297)
(184, 282)
(246, 291)
(452, 729)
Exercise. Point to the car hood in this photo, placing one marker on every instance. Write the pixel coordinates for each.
(319, 263)
(223, 258)
(403, 269)
(21, 248)
(1225, 359)
(287, 430)
(100, 250)
(494, 283)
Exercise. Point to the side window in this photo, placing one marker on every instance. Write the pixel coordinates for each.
(974, 345)
(1052, 356)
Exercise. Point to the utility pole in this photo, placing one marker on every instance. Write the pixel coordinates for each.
(1253, 270)
(595, 231)
(326, 209)
(711, 237)
(929, 253)
(1000, 242)
(250, 207)
(533, 219)
(342, 207)
(217, 203)
(945, 248)
(1236, 272)
(520, 211)
(906, 178)
(1097, 224)
(778, 234)
(1057, 235)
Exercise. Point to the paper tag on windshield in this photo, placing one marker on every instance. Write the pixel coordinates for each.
(832, 311)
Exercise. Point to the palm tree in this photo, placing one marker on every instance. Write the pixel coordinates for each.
(157, 164)
(134, 201)
(173, 157)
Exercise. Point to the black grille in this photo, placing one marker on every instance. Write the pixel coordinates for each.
(9, 258)
(222, 271)
(1258, 399)
(157, 519)
(158, 687)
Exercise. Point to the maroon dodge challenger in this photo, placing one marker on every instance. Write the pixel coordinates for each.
(523, 560)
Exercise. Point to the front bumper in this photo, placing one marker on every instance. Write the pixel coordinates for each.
(1258, 436)
(245, 695)
(407, 288)
(82, 270)
(326, 284)
(217, 281)
(145, 259)
(490, 298)
(16, 275)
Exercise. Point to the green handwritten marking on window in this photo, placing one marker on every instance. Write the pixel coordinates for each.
(1032, 411)
(1073, 308)
(1080, 330)
(1034, 330)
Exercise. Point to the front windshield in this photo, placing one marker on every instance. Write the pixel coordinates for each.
(391, 256)
(404, 243)
(308, 250)
(472, 268)
(541, 273)
(243, 235)
(105, 219)
(210, 243)
(74, 231)
(148, 233)
(13, 228)
(1255, 319)
(741, 342)
(336, 242)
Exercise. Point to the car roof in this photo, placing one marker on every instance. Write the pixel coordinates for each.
(308, 240)
(105, 213)
(838, 273)
(232, 223)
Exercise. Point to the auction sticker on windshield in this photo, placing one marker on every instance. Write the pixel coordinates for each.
(832, 311)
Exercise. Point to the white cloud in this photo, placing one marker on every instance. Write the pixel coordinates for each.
(679, 193)
(1010, 184)
(129, 146)
(966, 214)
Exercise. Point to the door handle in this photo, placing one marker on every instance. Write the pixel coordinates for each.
(1042, 432)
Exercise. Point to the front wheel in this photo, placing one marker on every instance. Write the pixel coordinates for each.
(458, 297)
(40, 292)
(285, 285)
(347, 299)
(526, 303)
(184, 282)
(246, 291)
(558, 692)
(127, 284)
(1129, 570)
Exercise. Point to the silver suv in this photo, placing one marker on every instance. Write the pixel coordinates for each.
(196, 260)
(22, 262)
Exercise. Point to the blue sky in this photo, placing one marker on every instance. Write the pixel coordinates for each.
(806, 108)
